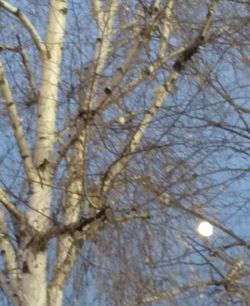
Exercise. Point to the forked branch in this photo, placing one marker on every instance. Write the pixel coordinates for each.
(161, 93)
(28, 25)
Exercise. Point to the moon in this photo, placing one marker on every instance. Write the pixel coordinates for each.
(205, 229)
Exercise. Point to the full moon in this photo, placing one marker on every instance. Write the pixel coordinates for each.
(205, 229)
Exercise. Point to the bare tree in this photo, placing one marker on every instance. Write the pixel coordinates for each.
(123, 125)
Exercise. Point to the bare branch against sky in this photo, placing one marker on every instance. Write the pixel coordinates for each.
(124, 157)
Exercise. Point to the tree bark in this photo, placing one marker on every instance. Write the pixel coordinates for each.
(34, 256)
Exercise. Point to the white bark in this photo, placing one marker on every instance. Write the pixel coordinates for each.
(49, 82)
(27, 24)
(9, 257)
(105, 21)
(67, 250)
(9, 290)
(33, 289)
(160, 94)
(16, 123)
(34, 260)
(4, 200)
(117, 167)
(166, 28)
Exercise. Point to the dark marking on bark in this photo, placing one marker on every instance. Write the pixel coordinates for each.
(120, 70)
(64, 11)
(48, 53)
(187, 54)
(42, 137)
(86, 114)
(25, 268)
(84, 222)
(37, 243)
(146, 32)
(18, 13)
(178, 66)
(108, 90)
(81, 113)
(148, 112)
(42, 166)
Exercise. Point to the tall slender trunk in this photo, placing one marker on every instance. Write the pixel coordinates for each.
(34, 254)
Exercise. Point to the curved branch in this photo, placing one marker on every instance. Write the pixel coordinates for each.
(20, 50)
(28, 25)
(161, 93)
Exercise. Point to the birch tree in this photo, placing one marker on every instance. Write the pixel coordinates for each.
(123, 125)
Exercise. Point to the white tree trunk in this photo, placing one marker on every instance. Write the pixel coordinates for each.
(34, 257)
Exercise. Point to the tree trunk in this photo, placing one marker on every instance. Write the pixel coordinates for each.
(34, 254)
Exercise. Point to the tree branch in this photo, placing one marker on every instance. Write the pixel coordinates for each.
(169, 294)
(9, 290)
(19, 49)
(8, 48)
(169, 201)
(4, 200)
(67, 250)
(131, 215)
(166, 28)
(9, 283)
(101, 103)
(47, 104)
(28, 25)
(80, 225)
(105, 21)
(115, 81)
(97, 12)
(84, 223)
(27, 66)
(105, 25)
(7, 252)
(76, 233)
(17, 128)
(160, 94)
